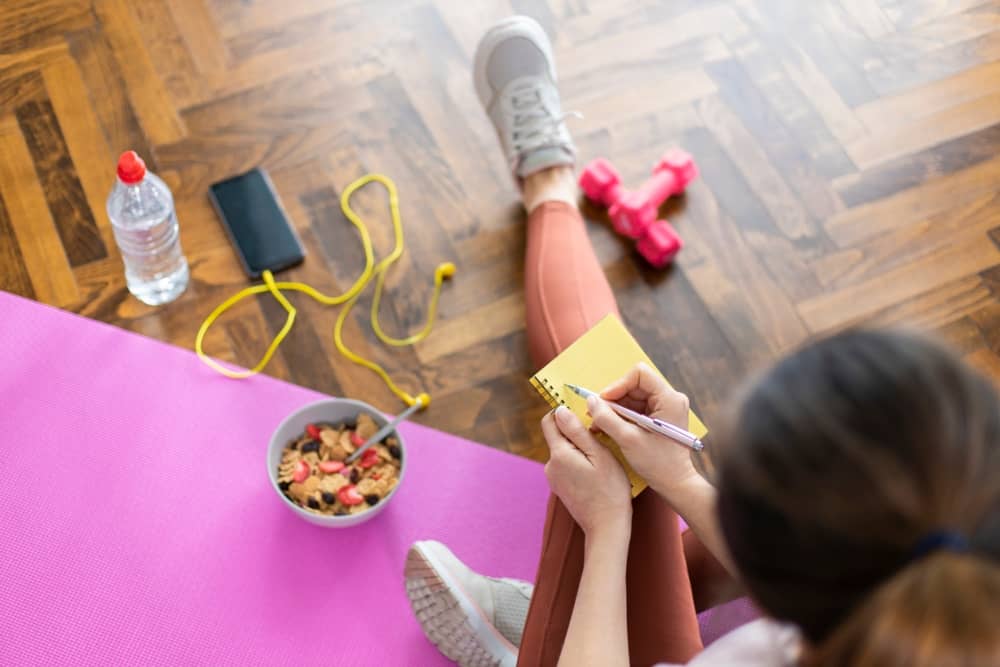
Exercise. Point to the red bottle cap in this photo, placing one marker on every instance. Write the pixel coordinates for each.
(131, 168)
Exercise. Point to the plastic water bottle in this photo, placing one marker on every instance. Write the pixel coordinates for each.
(141, 210)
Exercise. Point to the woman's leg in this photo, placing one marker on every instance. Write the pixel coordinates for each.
(711, 584)
(566, 293)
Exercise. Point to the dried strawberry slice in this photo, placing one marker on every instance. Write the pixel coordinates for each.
(356, 439)
(349, 495)
(302, 471)
(312, 431)
(369, 458)
(331, 466)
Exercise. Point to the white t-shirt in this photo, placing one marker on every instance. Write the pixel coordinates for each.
(760, 643)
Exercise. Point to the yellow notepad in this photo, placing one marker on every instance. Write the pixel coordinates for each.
(599, 357)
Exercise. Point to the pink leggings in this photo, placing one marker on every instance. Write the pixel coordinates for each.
(670, 575)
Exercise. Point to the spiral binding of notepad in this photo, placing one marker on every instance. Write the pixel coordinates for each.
(548, 391)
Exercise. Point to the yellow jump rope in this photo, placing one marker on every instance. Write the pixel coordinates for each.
(349, 298)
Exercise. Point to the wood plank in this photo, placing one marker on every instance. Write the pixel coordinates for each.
(967, 256)
(759, 319)
(962, 335)
(201, 35)
(770, 215)
(913, 13)
(987, 318)
(29, 225)
(986, 362)
(914, 204)
(758, 115)
(817, 36)
(783, 206)
(911, 170)
(300, 101)
(246, 337)
(57, 175)
(887, 113)
(234, 154)
(335, 234)
(812, 81)
(922, 66)
(354, 63)
(869, 16)
(302, 352)
(466, 144)
(948, 30)
(494, 320)
(615, 51)
(939, 308)
(805, 126)
(13, 272)
(465, 368)
(242, 18)
(18, 89)
(144, 88)
(168, 50)
(88, 149)
(691, 348)
(910, 243)
(32, 24)
(928, 131)
(24, 62)
(102, 76)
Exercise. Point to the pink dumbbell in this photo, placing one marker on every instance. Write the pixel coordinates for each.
(634, 211)
(600, 181)
(633, 214)
(660, 244)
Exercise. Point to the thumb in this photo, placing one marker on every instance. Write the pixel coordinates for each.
(574, 430)
(620, 429)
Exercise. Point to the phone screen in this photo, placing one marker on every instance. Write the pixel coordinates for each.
(256, 223)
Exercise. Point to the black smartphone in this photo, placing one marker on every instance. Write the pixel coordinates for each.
(256, 223)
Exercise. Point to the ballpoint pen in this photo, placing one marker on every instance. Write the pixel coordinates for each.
(652, 424)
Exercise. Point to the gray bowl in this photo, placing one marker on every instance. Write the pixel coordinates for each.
(332, 410)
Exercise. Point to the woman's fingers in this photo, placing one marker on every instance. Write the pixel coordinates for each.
(607, 420)
(644, 390)
(626, 386)
(553, 436)
(639, 384)
(574, 430)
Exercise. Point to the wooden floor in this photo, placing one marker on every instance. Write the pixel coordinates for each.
(849, 151)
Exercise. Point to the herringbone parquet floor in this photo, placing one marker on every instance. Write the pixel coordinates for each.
(849, 149)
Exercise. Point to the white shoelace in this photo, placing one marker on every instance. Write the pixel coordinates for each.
(535, 126)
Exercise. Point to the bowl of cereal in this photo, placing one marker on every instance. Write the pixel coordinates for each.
(306, 461)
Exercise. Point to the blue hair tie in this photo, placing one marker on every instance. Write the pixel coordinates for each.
(949, 540)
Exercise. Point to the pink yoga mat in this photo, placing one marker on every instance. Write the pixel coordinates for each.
(137, 524)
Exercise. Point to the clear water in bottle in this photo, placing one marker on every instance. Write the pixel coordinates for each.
(141, 210)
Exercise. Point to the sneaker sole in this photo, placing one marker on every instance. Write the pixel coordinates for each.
(516, 25)
(449, 618)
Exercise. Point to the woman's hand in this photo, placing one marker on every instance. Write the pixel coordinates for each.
(585, 475)
(664, 464)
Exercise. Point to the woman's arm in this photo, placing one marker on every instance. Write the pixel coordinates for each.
(597, 633)
(594, 488)
(664, 464)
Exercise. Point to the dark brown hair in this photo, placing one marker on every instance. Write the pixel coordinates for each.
(840, 460)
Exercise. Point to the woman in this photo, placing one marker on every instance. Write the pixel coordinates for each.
(858, 493)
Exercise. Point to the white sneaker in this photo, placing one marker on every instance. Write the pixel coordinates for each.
(475, 620)
(515, 77)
